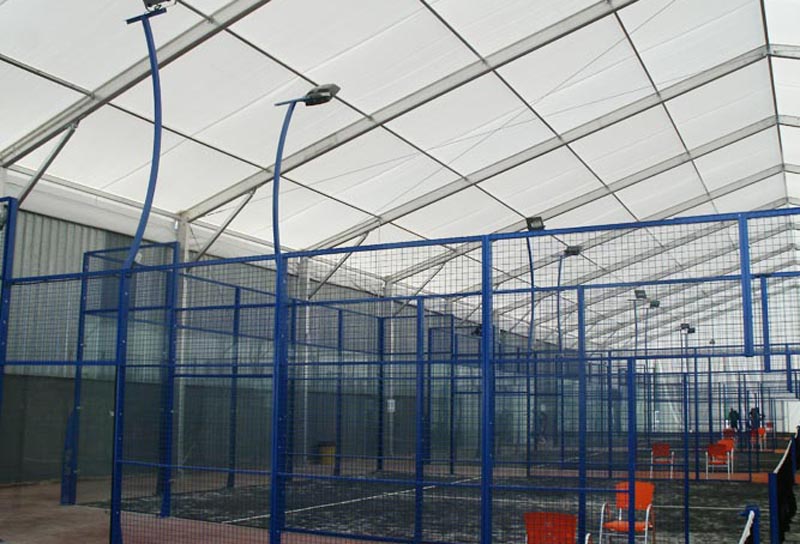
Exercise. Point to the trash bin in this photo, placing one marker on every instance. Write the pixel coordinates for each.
(326, 452)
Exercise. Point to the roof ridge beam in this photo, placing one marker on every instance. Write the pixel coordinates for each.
(172, 50)
(556, 142)
(710, 230)
(607, 190)
(410, 102)
(673, 210)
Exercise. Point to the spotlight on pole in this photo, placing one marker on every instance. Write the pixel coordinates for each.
(155, 5)
(655, 303)
(572, 251)
(534, 223)
(321, 94)
(640, 294)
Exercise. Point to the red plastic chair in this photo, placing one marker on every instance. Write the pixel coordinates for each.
(662, 454)
(643, 502)
(718, 455)
(729, 434)
(758, 437)
(552, 528)
(731, 447)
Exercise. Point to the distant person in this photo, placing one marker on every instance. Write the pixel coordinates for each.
(543, 426)
(733, 419)
(755, 418)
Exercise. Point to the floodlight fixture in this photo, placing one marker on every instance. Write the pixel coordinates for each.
(691, 330)
(655, 303)
(640, 294)
(712, 342)
(572, 251)
(534, 223)
(155, 5)
(321, 94)
(685, 327)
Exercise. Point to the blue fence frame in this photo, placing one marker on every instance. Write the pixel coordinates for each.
(595, 372)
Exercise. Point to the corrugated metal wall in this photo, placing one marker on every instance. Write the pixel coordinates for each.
(52, 246)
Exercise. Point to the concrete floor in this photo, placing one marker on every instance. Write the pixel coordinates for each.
(30, 514)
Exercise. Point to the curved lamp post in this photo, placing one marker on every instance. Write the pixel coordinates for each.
(316, 96)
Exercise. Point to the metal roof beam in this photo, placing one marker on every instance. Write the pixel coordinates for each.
(556, 142)
(721, 289)
(633, 179)
(123, 81)
(699, 261)
(424, 95)
(693, 237)
(673, 210)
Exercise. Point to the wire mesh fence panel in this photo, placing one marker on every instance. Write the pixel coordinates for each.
(436, 391)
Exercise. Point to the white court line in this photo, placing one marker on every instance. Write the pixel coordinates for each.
(350, 501)
(383, 495)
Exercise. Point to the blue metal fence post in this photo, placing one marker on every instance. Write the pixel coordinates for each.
(123, 307)
(765, 325)
(582, 400)
(536, 401)
(5, 288)
(455, 406)
(710, 393)
(747, 287)
(168, 386)
(452, 399)
(429, 395)
(610, 414)
(487, 388)
(69, 477)
(381, 390)
(280, 370)
(234, 405)
(632, 449)
(419, 413)
(686, 518)
(528, 427)
(337, 463)
(789, 386)
(696, 417)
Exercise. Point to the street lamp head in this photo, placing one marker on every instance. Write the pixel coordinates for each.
(321, 94)
(534, 223)
(155, 5)
(572, 251)
(640, 294)
(685, 328)
(655, 303)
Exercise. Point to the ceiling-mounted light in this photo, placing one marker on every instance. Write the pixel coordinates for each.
(534, 223)
(321, 94)
(155, 5)
(572, 251)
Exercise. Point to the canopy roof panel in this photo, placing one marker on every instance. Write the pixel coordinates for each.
(455, 117)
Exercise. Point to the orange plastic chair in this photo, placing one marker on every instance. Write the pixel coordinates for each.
(662, 454)
(552, 528)
(643, 502)
(718, 455)
(731, 446)
(729, 434)
(758, 437)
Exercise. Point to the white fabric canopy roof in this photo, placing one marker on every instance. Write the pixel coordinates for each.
(456, 117)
